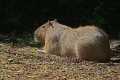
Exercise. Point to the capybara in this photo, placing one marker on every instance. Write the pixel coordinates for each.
(83, 43)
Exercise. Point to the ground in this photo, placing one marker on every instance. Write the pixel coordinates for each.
(25, 62)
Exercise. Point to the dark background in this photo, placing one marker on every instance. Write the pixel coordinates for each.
(26, 15)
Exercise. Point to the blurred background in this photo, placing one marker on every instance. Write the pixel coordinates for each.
(22, 16)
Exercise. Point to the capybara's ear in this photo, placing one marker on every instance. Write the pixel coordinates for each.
(50, 23)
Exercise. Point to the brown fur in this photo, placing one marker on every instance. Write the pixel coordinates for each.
(84, 43)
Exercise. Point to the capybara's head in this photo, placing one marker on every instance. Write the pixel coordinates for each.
(40, 32)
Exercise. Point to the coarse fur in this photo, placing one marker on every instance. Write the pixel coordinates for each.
(84, 43)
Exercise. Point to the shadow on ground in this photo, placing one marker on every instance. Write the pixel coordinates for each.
(19, 40)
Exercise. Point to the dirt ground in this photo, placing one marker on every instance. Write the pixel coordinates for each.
(25, 62)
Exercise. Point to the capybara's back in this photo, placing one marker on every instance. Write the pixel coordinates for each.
(95, 43)
(86, 43)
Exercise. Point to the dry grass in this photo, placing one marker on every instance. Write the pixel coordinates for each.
(27, 63)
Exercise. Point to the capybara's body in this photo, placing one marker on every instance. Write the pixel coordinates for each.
(84, 43)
